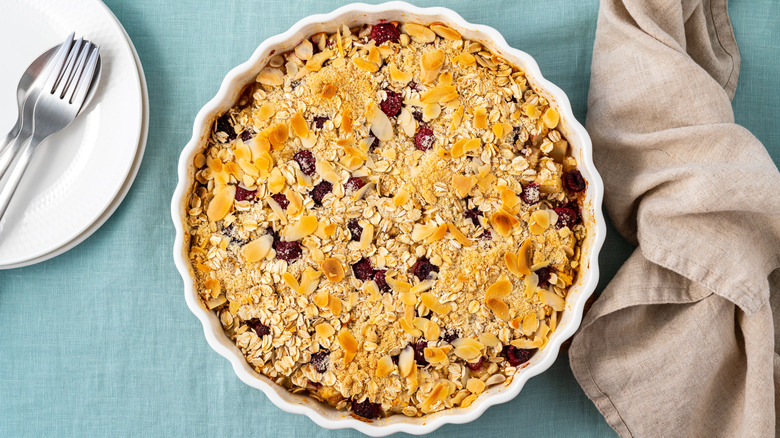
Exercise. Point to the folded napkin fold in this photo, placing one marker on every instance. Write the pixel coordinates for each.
(682, 341)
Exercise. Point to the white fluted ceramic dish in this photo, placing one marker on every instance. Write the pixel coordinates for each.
(354, 15)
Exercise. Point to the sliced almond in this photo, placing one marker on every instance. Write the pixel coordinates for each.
(310, 279)
(445, 32)
(503, 222)
(468, 341)
(276, 181)
(525, 256)
(315, 62)
(380, 124)
(366, 237)
(431, 111)
(291, 281)
(475, 385)
(265, 112)
(409, 328)
(406, 361)
(408, 298)
(321, 299)
(526, 344)
(530, 324)
(463, 184)
(346, 121)
(430, 65)
(270, 76)
(333, 270)
(297, 231)
(510, 201)
(334, 305)
(437, 235)
(348, 341)
(398, 286)
(324, 330)
(384, 366)
(553, 300)
(457, 118)
(365, 65)
(551, 118)
(418, 32)
(480, 118)
(465, 60)
(213, 303)
(257, 249)
(431, 330)
(401, 197)
(421, 232)
(430, 301)
(459, 236)
(531, 282)
(500, 289)
(467, 352)
(399, 76)
(440, 94)
(328, 91)
(499, 308)
(489, 340)
(278, 135)
(434, 355)
(438, 395)
(299, 125)
(421, 286)
(304, 50)
(221, 204)
(511, 263)
(212, 284)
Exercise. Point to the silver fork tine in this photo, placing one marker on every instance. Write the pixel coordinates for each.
(56, 62)
(67, 73)
(57, 69)
(78, 69)
(80, 92)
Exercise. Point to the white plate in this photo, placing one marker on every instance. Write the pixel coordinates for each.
(81, 173)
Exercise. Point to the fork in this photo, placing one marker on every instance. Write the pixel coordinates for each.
(60, 100)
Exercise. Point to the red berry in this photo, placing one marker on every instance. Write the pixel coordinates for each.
(449, 335)
(419, 352)
(243, 194)
(531, 194)
(383, 32)
(247, 135)
(574, 181)
(281, 199)
(379, 278)
(258, 327)
(423, 268)
(363, 270)
(392, 103)
(354, 229)
(354, 184)
(224, 125)
(366, 409)
(566, 217)
(319, 121)
(544, 276)
(476, 366)
(320, 190)
(320, 360)
(424, 138)
(306, 161)
(288, 251)
(517, 356)
(474, 214)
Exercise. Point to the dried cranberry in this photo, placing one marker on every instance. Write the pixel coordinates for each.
(230, 232)
(381, 282)
(392, 103)
(288, 251)
(566, 217)
(423, 268)
(354, 229)
(449, 335)
(366, 409)
(476, 366)
(419, 352)
(281, 199)
(258, 327)
(487, 235)
(243, 194)
(319, 191)
(306, 160)
(414, 86)
(374, 144)
(573, 206)
(424, 138)
(383, 32)
(417, 115)
(531, 194)
(247, 135)
(517, 356)
(320, 360)
(319, 121)
(474, 214)
(224, 125)
(363, 269)
(516, 136)
(354, 184)
(574, 181)
(544, 276)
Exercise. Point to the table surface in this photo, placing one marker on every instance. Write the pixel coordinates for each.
(99, 340)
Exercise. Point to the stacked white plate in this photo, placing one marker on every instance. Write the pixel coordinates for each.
(79, 176)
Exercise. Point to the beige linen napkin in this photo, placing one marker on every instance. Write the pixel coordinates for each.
(682, 342)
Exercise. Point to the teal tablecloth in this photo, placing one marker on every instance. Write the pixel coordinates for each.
(99, 341)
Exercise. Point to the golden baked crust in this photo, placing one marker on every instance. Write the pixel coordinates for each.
(433, 266)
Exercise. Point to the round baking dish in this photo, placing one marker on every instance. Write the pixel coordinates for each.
(353, 15)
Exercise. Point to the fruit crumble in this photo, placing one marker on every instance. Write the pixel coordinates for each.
(388, 219)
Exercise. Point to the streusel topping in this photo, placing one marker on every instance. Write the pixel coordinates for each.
(388, 219)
